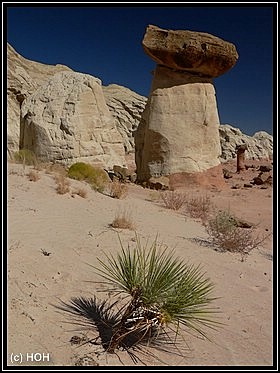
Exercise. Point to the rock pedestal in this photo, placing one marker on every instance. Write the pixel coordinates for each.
(179, 128)
(240, 150)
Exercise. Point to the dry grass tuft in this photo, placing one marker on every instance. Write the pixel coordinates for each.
(226, 235)
(33, 175)
(26, 157)
(56, 168)
(62, 184)
(117, 189)
(174, 200)
(14, 172)
(198, 207)
(153, 196)
(123, 220)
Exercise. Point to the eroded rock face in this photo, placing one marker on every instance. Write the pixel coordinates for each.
(67, 120)
(24, 77)
(126, 107)
(195, 52)
(259, 146)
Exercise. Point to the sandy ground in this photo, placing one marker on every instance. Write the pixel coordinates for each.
(52, 238)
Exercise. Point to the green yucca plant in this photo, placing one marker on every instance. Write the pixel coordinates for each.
(164, 293)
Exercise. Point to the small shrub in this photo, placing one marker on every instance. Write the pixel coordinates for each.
(95, 176)
(33, 176)
(26, 157)
(173, 200)
(117, 189)
(226, 234)
(154, 196)
(57, 168)
(198, 207)
(123, 220)
(13, 172)
(62, 184)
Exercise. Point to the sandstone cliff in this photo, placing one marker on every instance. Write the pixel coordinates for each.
(24, 77)
(67, 120)
(27, 81)
(126, 107)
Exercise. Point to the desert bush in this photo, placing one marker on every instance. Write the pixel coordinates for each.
(62, 184)
(198, 207)
(226, 234)
(33, 176)
(26, 157)
(173, 200)
(123, 220)
(57, 168)
(117, 189)
(95, 176)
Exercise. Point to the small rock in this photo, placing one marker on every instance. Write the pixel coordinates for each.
(120, 172)
(269, 180)
(133, 177)
(227, 174)
(258, 180)
(265, 168)
(249, 166)
(86, 361)
(236, 186)
(242, 223)
(159, 183)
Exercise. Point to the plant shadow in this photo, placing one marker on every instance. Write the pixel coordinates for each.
(91, 313)
(103, 317)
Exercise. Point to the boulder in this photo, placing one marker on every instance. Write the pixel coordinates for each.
(194, 52)
(126, 107)
(67, 120)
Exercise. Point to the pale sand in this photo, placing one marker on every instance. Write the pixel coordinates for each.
(75, 231)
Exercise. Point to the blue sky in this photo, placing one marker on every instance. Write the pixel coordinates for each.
(105, 41)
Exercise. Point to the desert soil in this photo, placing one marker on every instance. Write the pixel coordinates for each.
(52, 239)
